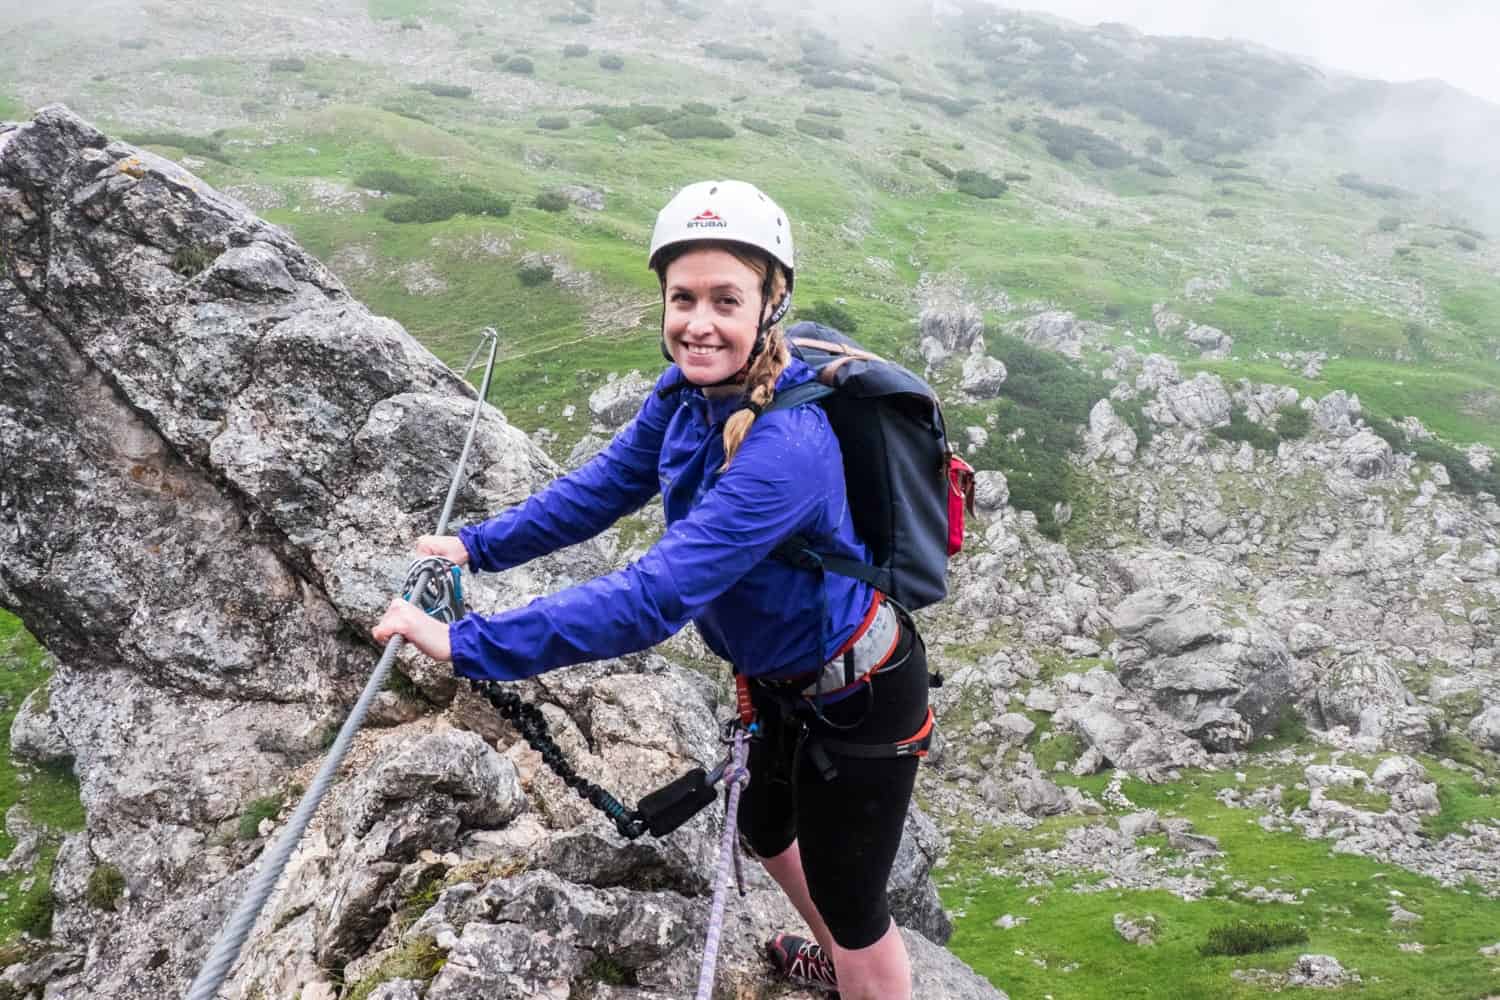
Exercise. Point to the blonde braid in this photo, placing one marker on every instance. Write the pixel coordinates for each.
(760, 387)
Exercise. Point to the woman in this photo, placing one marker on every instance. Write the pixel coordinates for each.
(736, 479)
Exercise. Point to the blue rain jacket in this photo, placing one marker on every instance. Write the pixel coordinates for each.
(710, 567)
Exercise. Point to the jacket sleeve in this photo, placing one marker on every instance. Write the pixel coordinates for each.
(615, 482)
(756, 504)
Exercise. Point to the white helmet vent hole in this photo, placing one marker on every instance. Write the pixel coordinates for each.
(714, 189)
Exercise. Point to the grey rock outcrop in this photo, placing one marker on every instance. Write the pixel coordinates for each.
(1226, 684)
(617, 400)
(1213, 342)
(1053, 330)
(1366, 455)
(1198, 404)
(982, 376)
(954, 328)
(1484, 728)
(1108, 436)
(236, 455)
(1337, 413)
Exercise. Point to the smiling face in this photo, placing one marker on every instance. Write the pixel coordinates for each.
(712, 311)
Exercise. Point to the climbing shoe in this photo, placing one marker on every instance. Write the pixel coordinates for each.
(802, 962)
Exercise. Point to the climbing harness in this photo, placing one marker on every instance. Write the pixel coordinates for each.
(232, 938)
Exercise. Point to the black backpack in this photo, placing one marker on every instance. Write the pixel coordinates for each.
(908, 491)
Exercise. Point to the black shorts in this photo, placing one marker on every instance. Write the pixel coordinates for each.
(848, 828)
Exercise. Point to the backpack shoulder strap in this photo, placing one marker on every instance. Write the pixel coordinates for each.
(797, 395)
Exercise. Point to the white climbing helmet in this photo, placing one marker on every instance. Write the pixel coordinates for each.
(733, 211)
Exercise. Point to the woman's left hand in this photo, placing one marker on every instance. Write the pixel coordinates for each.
(421, 630)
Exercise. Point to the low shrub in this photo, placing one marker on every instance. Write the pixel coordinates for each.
(1155, 168)
(532, 275)
(1047, 398)
(1221, 213)
(250, 819)
(1154, 145)
(553, 123)
(1246, 938)
(134, 43)
(446, 89)
(938, 166)
(1238, 178)
(500, 58)
(1242, 428)
(952, 105)
(191, 144)
(1465, 242)
(1355, 182)
(34, 915)
(1389, 223)
(611, 62)
(818, 129)
(288, 65)
(826, 80)
(392, 182)
(552, 201)
(761, 125)
(410, 24)
(734, 53)
(520, 64)
(696, 127)
(915, 153)
(632, 116)
(575, 51)
(106, 886)
(1112, 115)
(443, 204)
(1293, 422)
(1017, 124)
(979, 184)
(193, 259)
(699, 108)
(829, 314)
(823, 111)
(1066, 141)
(1016, 177)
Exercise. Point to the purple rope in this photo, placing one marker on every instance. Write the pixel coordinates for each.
(734, 779)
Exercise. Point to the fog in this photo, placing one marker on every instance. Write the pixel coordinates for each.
(1398, 40)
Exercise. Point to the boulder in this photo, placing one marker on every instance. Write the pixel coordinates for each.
(1367, 455)
(1198, 404)
(1363, 692)
(1336, 414)
(619, 399)
(955, 328)
(982, 376)
(1213, 342)
(1484, 728)
(1053, 330)
(991, 491)
(1108, 436)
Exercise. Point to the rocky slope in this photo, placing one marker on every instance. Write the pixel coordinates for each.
(215, 462)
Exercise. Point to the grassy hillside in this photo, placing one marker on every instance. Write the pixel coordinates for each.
(47, 796)
(1237, 188)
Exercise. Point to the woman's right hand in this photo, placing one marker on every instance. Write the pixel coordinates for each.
(447, 546)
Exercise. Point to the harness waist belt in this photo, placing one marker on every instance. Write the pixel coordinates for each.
(870, 650)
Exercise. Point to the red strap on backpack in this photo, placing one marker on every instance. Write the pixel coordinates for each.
(960, 500)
